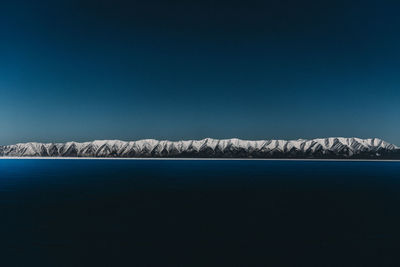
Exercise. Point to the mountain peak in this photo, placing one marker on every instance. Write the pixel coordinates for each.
(333, 147)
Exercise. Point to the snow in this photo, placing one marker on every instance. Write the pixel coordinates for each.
(152, 147)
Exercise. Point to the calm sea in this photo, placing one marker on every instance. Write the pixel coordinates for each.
(199, 213)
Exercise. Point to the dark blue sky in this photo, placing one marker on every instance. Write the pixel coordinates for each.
(84, 70)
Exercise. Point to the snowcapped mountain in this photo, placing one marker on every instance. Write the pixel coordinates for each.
(211, 148)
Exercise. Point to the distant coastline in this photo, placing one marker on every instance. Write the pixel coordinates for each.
(202, 159)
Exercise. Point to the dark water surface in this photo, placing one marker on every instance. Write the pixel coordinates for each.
(199, 213)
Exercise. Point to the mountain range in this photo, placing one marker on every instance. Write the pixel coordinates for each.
(334, 147)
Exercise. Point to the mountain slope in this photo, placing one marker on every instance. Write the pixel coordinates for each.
(211, 148)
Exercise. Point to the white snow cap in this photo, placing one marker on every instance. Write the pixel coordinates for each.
(207, 146)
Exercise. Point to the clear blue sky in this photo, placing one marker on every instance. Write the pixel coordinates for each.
(84, 70)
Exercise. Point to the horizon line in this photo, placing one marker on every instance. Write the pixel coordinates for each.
(202, 159)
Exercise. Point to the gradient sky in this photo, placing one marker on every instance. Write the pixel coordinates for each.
(85, 70)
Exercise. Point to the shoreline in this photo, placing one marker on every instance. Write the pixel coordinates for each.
(204, 159)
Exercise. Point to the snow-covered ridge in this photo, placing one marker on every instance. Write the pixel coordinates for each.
(335, 147)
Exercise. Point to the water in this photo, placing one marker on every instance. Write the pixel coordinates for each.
(199, 213)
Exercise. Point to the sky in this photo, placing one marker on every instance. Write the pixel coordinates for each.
(128, 70)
